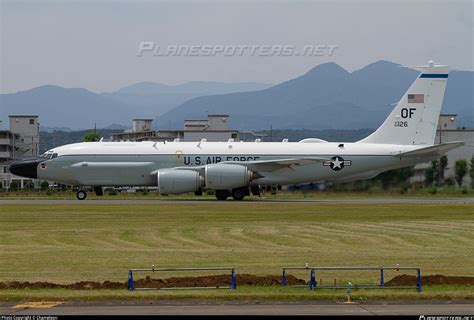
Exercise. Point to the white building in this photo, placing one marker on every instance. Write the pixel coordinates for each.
(214, 128)
(142, 130)
(142, 125)
(21, 140)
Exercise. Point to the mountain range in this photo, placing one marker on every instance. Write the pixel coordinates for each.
(326, 97)
(77, 108)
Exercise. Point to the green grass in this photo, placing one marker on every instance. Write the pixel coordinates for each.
(298, 194)
(70, 243)
(260, 293)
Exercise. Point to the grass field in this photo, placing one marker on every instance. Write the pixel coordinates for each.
(69, 243)
(266, 293)
(446, 192)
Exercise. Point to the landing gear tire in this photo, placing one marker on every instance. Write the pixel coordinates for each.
(81, 195)
(98, 191)
(222, 195)
(255, 190)
(238, 193)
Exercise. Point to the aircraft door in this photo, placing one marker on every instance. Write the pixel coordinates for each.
(179, 158)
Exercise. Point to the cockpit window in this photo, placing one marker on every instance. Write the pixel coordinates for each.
(49, 155)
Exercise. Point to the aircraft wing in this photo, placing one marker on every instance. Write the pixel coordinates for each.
(431, 151)
(276, 164)
(267, 165)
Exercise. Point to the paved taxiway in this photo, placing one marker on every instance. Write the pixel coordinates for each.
(252, 201)
(240, 308)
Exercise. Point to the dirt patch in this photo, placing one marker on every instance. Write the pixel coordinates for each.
(408, 280)
(83, 285)
(216, 281)
(175, 282)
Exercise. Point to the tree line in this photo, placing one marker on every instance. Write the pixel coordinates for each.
(434, 177)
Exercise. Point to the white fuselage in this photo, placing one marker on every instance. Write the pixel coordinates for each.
(136, 163)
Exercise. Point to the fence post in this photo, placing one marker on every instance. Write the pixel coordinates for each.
(418, 280)
(382, 282)
(283, 278)
(131, 285)
(312, 280)
(233, 285)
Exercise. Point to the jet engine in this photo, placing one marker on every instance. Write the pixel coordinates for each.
(172, 181)
(226, 176)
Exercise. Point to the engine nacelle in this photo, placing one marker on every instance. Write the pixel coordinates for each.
(226, 176)
(172, 181)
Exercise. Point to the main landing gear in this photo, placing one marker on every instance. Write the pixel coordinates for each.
(239, 193)
(236, 193)
(222, 194)
(98, 191)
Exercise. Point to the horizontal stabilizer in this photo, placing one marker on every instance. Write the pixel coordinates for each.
(432, 151)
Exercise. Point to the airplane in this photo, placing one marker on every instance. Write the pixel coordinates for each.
(236, 168)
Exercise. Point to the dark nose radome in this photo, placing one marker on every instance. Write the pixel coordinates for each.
(27, 168)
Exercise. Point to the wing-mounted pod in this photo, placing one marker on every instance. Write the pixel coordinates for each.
(227, 176)
(172, 181)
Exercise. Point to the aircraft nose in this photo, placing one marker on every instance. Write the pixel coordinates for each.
(27, 167)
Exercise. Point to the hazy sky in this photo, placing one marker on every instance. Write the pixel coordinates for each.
(94, 44)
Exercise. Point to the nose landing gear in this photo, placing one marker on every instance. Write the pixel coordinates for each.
(81, 195)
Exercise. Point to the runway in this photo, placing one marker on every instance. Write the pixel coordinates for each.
(241, 308)
(252, 201)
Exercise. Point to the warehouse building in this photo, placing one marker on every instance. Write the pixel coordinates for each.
(20, 140)
(448, 131)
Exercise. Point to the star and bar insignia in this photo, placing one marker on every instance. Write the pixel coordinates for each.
(337, 163)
